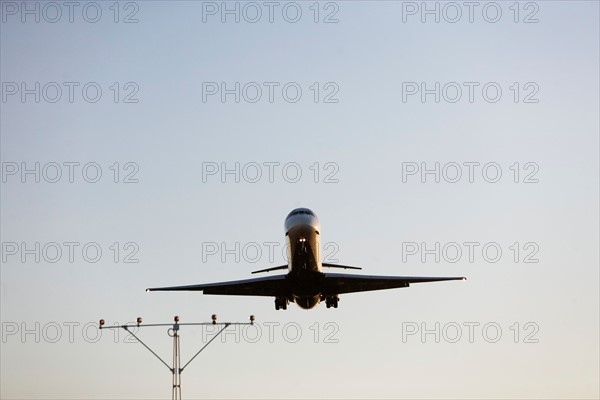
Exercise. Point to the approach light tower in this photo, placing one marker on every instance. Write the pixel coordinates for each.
(176, 368)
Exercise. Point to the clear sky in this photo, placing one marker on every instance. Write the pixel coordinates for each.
(359, 103)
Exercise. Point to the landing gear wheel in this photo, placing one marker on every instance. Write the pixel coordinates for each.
(281, 303)
(332, 301)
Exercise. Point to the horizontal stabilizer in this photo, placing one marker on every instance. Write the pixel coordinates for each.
(327, 265)
(270, 269)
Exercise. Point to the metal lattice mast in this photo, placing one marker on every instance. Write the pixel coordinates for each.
(176, 369)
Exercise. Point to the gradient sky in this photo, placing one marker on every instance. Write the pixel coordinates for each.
(368, 216)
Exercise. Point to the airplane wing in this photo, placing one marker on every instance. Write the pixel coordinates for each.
(346, 283)
(269, 286)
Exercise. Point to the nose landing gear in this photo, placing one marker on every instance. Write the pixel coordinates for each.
(332, 301)
(281, 302)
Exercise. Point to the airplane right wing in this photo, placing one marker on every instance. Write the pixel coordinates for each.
(276, 285)
(347, 283)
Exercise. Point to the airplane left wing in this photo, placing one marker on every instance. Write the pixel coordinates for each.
(346, 283)
(269, 286)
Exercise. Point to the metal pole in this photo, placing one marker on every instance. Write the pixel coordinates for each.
(176, 391)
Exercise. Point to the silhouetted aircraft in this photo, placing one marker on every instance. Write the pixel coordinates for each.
(305, 284)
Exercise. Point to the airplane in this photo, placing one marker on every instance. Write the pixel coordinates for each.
(305, 284)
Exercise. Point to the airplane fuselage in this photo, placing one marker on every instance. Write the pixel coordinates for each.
(302, 231)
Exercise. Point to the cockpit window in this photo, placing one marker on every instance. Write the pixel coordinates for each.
(305, 211)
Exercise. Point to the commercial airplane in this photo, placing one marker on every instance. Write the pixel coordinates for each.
(305, 284)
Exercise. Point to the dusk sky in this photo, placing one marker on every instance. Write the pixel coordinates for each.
(157, 143)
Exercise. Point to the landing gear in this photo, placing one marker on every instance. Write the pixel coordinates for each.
(281, 302)
(332, 301)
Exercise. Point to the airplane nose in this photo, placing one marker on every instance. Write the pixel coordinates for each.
(301, 219)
